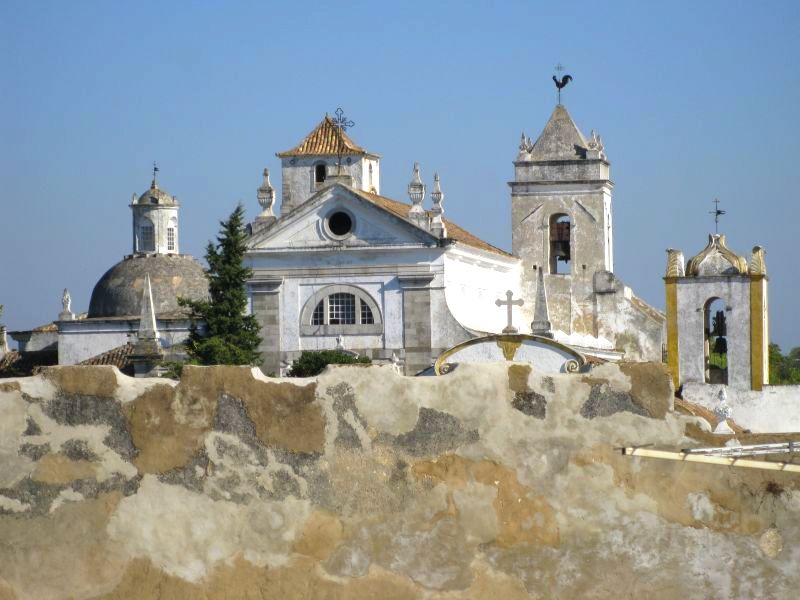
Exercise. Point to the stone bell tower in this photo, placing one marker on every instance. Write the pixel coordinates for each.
(561, 220)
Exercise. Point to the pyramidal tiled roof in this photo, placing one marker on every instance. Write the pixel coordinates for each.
(326, 140)
(561, 139)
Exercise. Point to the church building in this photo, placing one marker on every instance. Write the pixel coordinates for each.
(346, 267)
(145, 285)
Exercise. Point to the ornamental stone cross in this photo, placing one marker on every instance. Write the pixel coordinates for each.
(510, 304)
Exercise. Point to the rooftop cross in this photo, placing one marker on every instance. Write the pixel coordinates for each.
(717, 214)
(342, 123)
(561, 82)
(510, 304)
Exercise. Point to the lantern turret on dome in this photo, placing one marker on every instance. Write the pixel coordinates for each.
(155, 221)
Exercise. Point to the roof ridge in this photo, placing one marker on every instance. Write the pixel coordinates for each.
(454, 231)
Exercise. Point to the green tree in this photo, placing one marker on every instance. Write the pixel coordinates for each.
(784, 369)
(228, 335)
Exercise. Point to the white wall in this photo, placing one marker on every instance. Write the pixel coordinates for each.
(474, 280)
(81, 340)
(774, 409)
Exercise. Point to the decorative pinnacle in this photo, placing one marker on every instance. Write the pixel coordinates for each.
(437, 195)
(154, 185)
(416, 190)
(266, 195)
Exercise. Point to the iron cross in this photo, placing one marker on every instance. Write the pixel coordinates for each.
(717, 214)
(510, 304)
(343, 124)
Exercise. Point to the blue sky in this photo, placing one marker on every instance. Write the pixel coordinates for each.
(694, 100)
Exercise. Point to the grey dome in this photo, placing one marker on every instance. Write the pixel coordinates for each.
(156, 196)
(119, 291)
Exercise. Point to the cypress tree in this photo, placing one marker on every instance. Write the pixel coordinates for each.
(229, 337)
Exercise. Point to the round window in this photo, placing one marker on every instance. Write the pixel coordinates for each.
(340, 223)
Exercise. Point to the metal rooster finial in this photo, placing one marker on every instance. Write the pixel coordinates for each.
(561, 83)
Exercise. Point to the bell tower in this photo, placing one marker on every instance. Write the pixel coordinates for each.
(561, 220)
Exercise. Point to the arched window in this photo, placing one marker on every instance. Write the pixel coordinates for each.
(560, 244)
(320, 172)
(147, 237)
(715, 341)
(341, 309)
(172, 235)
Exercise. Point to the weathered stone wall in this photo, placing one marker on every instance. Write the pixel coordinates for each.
(492, 481)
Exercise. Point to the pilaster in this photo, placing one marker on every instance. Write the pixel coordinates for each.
(417, 322)
(265, 296)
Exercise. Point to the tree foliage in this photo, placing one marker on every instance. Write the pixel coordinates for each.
(228, 336)
(784, 369)
(312, 362)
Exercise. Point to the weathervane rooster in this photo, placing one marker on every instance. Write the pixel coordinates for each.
(561, 84)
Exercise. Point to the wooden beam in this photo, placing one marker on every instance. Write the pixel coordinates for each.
(713, 460)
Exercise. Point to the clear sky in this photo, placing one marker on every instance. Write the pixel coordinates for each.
(694, 100)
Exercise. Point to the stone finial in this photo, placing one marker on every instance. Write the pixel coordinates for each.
(416, 189)
(4, 349)
(675, 266)
(266, 196)
(66, 313)
(595, 149)
(416, 192)
(541, 314)
(758, 266)
(723, 412)
(438, 227)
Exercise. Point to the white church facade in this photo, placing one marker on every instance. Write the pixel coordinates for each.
(344, 267)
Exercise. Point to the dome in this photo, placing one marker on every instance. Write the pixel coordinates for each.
(155, 196)
(716, 259)
(119, 291)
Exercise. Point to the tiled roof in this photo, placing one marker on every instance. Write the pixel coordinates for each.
(326, 140)
(454, 232)
(118, 357)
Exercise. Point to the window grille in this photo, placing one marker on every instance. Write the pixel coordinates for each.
(148, 239)
(318, 318)
(170, 238)
(366, 314)
(341, 309)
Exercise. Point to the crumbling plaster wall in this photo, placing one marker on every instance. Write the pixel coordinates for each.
(494, 480)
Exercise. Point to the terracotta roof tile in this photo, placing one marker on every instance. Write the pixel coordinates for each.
(454, 232)
(118, 357)
(326, 140)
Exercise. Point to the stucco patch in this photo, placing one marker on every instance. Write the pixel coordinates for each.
(321, 534)
(185, 533)
(84, 380)
(521, 517)
(161, 440)
(57, 469)
(651, 387)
